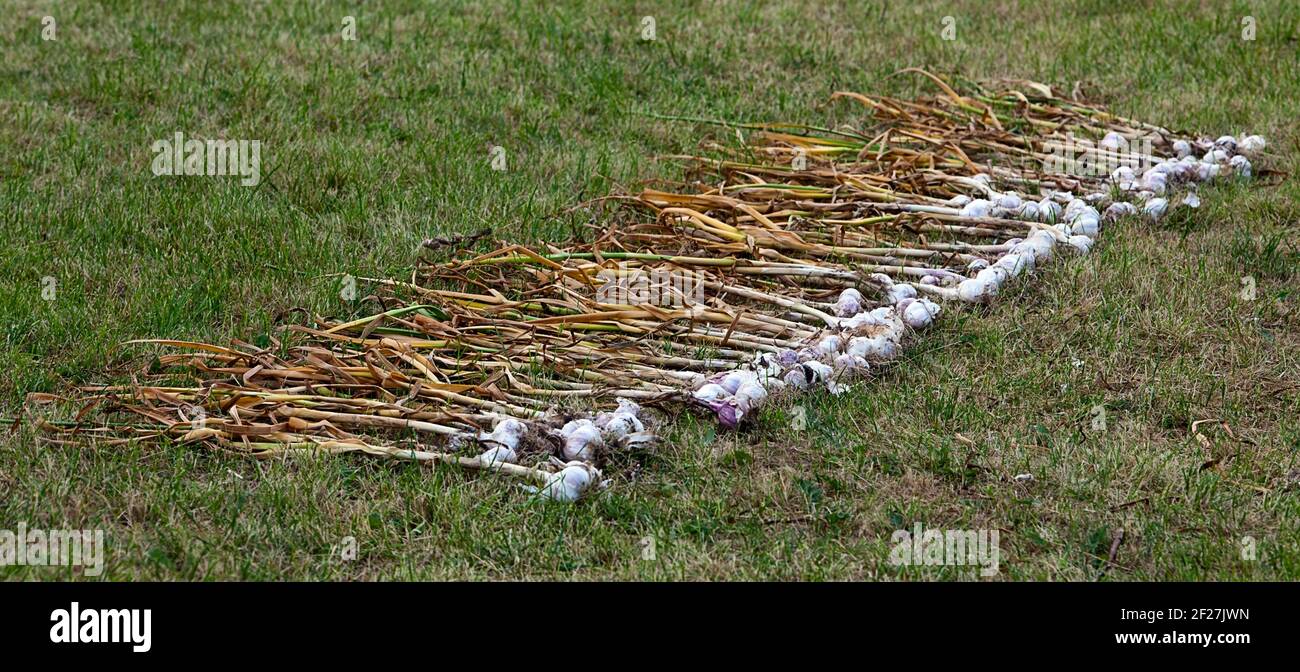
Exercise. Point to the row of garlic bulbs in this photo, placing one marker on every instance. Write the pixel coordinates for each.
(862, 337)
(581, 438)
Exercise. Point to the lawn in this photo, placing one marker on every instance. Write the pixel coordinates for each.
(370, 146)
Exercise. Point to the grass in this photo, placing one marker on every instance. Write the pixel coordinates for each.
(373, 145)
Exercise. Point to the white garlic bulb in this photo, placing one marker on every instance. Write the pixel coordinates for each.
(581, 440)
(750, 396)
(1112, 141)
(711, 392)
(1251, 145)
(622, 422)
(570, 483)
(920, 313)
(1120, 209)
(1182, 148)
(900, 291)
(977, 208)
(497, 455)
(507, 433)
(1080, 244)
(1241, 165)
(1155, 208)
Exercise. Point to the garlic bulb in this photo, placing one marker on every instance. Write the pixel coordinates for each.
(1081, 244)
(920, 313)
(977, 208)
(818, 372)
(750, 396)
(1155, 208)
(1087, 224)
(1050, 210)
(849, 303)
(1226, 143)
(1251, 145)
(900, 291)
(507, 433)
(1182, 148)
(570, 483)
(732, 380)
(1009, 201)
(977, 265)
(1120, 209)
(1215, 156)
(1207, 171)
(621, 422)
(1241, 165)
(1155, 181)
(711, 392)
(959, 200)
(1191, 200)
(581, 440)
(1029, 212)
(830, 346)
(874, 348)
(1112, 141)
(498, 455)
(847, 364)
(796, 378)
(1016, 263)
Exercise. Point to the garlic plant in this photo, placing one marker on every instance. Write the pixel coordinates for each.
(767, 280)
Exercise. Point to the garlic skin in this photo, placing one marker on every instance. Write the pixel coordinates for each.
(1191, 200)
(581, 440)
(570, 483)
(1112, 141)
(506, 433)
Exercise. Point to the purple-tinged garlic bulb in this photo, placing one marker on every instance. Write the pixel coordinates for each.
(849, 303)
